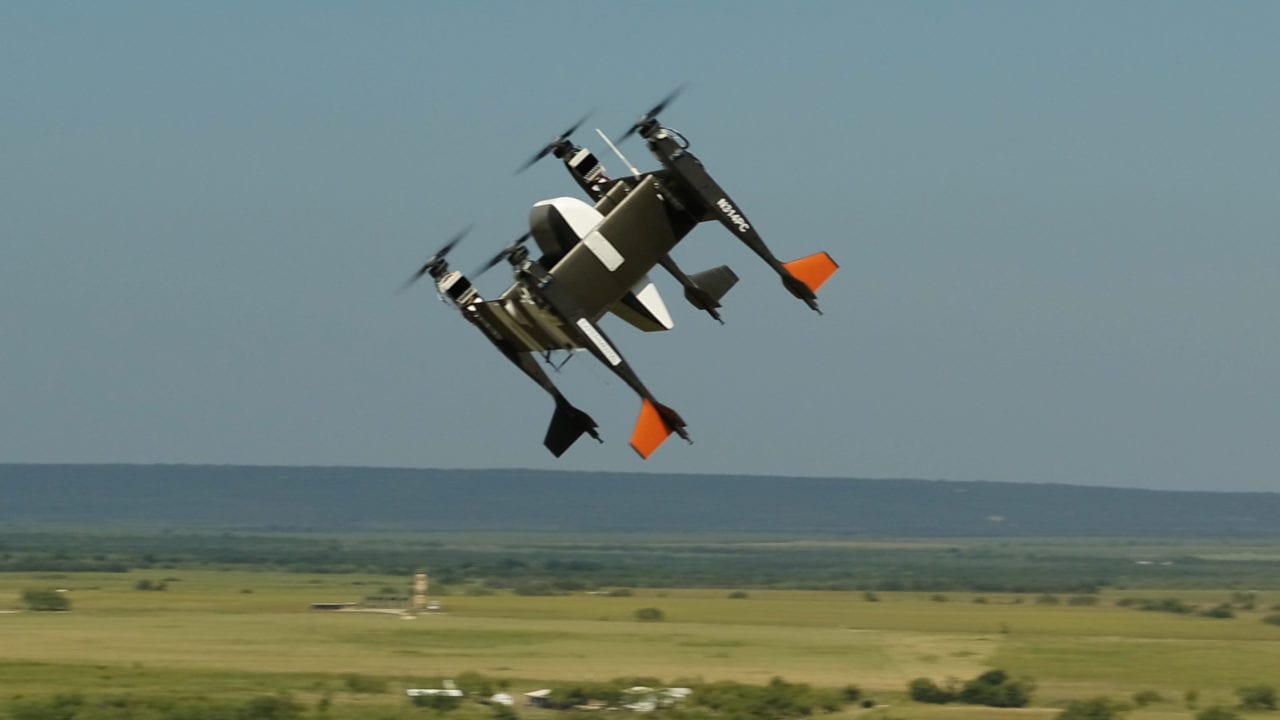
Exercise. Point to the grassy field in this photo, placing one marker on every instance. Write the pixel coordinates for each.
(236, 634)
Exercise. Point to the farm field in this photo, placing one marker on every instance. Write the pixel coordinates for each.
(239, 633)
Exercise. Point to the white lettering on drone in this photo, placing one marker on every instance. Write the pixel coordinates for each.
(598, 340)
(731, 212)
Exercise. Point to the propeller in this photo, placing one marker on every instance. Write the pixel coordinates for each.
(650, 118)
(510, 251)
(436, 265)
(556, 143)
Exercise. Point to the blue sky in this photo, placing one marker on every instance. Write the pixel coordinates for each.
(1057, 225)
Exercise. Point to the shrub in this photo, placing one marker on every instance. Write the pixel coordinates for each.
(504, 712)
(59, 707)
(1143, 698)
(1217, 712)
(1047, 599)
(439, 703)
(1257, 697)
(1099, 708)
(45, 600)
(474, 683)
(272, 707)
(364, 684)
(778, 699)
(650, 614)
(996, 689)
(1082, 600)
(870, 596)
(1221, 612)
(938, 597)
(738, 595)
(620, 592)
(1272, 619)
(924, 690)
(1244, 600)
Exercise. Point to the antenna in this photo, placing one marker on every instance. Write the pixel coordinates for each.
(616, 151)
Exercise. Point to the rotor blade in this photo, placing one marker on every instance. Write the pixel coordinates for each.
(493, 262)
(418, 275)
(438, 256)
(657, 109)
(654, 112)
(503, 253)
(452, 242)
(555, 141)
(565, 135)
(534, 160)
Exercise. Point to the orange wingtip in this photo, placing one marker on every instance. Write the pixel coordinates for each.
(813, 270)
(650, 431)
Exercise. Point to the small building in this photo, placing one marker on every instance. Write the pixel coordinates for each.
(332, 605)
(538, 698)
(427, 692)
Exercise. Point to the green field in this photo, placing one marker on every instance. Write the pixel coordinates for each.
(237, 634)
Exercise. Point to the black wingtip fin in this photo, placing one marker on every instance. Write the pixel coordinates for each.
(567, 425)
(711, 287)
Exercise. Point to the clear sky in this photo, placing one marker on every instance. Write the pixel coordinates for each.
(1058, 225)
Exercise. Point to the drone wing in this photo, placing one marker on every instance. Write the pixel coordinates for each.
(614, 257)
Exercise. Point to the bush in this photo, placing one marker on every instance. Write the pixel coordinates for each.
(1257, 697)
(45, 600)
(1217, 712)
(1143, 698)
(1222, 612)
(473, 683)
(1047, 599)
(1099, 708)
(504, 712)
(364, 684)
(620, 592)
(1082, 600)
(996, 689)
(778, 699)
(870, 596)
(62, 706)
(439, 703)
(650, 614)
(272, 707)
(1272, 619)
(738, 595)
(149, 585)
(924, 690)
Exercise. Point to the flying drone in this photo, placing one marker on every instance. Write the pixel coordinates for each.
(595, 259)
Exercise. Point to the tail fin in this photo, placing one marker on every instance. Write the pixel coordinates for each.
(711, 286)
(654, 426)
(567, 425)
(813, 270)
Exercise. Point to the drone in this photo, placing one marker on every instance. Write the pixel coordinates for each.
(595, 260)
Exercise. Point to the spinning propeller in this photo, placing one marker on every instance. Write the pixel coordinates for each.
(436, 264)
(515, 253)
(649, 120)
(558, 142)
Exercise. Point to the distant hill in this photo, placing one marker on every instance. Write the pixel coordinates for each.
(356, 499)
